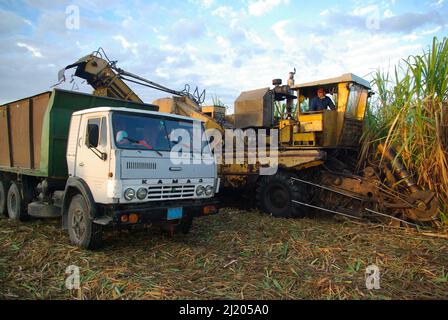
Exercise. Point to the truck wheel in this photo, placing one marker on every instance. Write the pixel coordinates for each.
(185, 225)
(81, 229)
(14, 201)
(275, 195)
(3, 210)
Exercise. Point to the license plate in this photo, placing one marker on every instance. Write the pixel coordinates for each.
(174, 213)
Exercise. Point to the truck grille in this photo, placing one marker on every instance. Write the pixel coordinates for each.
(141, 165)
(171, 192)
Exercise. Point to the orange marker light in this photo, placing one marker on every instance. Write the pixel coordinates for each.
(133, 218)
(124, 218)
(209, 209)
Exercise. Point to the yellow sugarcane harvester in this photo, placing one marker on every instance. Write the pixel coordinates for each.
(316, 149)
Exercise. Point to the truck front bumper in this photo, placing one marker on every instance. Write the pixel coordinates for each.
(154, 213)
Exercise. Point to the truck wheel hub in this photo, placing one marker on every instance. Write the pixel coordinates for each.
(78, 224)
(13, 202)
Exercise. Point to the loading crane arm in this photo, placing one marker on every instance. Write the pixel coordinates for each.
(109, 80)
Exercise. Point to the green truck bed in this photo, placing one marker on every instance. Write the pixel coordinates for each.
(34, 130)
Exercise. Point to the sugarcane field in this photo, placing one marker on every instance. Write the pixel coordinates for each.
(223, 157)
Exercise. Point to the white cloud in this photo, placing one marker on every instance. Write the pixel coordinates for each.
(207, 3)
(438, 3)
(132, 46)
(261, 7)
(280, 31)
(185, 30)
(362, 11)
(224, 12)
(411, 37)
(432, 31)
(202, 3)
(82, 47)
(224, 43)
(127, 22)
(388, 13)
(362, 56)
(34, 51)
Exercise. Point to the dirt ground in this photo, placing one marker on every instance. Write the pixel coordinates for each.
(237, 254)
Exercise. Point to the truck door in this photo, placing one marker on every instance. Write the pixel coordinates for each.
(92, 163)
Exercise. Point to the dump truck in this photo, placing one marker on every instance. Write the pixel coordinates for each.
(316, 153)
(100, 163)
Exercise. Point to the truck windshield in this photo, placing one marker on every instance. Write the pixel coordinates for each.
(151, 132)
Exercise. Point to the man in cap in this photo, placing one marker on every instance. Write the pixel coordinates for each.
(321, 102)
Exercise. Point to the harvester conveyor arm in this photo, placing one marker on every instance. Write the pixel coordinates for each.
(107, 79)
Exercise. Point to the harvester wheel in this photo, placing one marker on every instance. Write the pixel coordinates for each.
(3, 199)
(15, 204)
(276, 193)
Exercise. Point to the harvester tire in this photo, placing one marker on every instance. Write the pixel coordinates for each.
(83, 232)
(275, 195)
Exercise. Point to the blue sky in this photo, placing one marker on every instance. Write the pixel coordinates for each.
(224, 47)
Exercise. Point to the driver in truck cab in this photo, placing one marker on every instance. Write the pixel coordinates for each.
(122, 137)
(321, 102)
(149, 138)
(153, 135)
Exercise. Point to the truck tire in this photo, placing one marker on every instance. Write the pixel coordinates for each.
(275, 194)
(3, 211)
(15, 204)
(81, 229)
(185, 225)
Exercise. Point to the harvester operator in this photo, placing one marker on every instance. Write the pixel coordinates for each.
(321, 102)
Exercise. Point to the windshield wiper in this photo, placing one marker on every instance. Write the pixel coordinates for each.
(142, 143)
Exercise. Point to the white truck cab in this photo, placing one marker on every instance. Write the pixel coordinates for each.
(124, 159)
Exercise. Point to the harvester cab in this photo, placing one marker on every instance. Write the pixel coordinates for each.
(338, 128)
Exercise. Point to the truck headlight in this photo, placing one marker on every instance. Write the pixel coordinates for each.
(142, 193)
(200, 190)
(209, 190)
(129, 194)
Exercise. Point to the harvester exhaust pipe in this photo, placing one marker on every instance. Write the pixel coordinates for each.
(289, 100)
(291, 81)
